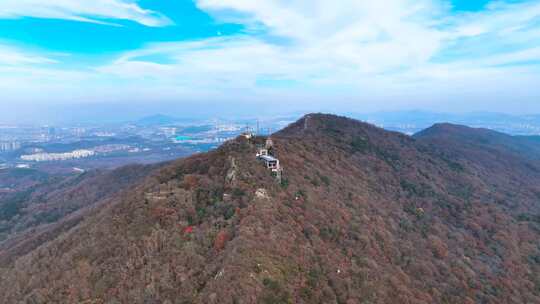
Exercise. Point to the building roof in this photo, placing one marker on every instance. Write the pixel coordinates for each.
(268, 158)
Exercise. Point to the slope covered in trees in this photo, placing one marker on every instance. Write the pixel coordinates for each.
(42, 204)
(361, 215)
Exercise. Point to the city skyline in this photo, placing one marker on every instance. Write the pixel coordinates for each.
(455, 56)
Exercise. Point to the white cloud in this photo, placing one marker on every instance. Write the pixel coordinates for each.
(14, 57)
(97, 11)
(361, 34)
(500, 18)
(365, 50)
(324, 43)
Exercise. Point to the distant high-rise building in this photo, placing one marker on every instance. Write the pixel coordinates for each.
(78, 131)
(169, 132)
(9, 146)
(48, 133)
(52, 132)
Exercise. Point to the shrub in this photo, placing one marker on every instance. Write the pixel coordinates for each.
(325, 180)
(306, 294)
(237, 192)
(534, 259)
(360, 144)
(284, 183)
(406, 225)
(313, 277)
(274, 293)
(523, 217)
(201, 212)
(13, 205)
(329, 234)
(227, 211)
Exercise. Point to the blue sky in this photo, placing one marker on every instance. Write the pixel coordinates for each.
(459, 55)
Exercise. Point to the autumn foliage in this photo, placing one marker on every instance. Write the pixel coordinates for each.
(362, 215)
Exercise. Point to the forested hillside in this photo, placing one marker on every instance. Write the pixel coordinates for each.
(361, 215)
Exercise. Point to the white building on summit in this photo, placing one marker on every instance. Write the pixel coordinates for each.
(270, 162)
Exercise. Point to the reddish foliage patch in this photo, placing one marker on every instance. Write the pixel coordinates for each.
(221, 240)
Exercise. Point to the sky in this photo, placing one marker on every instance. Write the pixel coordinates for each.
(445, 55)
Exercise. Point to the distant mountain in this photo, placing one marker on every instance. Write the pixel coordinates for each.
(414, 121)
(157, 120)
(361, 215)
(451, 136)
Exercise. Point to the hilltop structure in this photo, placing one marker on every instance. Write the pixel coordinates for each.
(270, 161)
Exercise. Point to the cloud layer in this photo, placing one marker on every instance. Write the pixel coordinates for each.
(401, 52)
(97, 11)
(354, 44)
(10, 56)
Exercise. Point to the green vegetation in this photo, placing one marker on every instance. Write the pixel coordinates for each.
(201, 213)
(329, 234)
(360, 144)
(227, 211)
(325, 179)
(406, 225)
(190, 220)
(237, 193)
(34, 174)
(307, 292)
(333, 130)
(49, 217)
(217, 195)
(413, 210)
(464, 192)
(455, 166)
(284, 183)
(314, 275)
(301, 194)
(422, 190)
(12, 205)
(534, 259)
(274, 293)
(391, 158)
(524, 217)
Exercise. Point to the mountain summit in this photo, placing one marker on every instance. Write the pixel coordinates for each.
(360, 215)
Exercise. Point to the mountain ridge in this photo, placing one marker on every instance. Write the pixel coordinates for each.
(361, 215)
